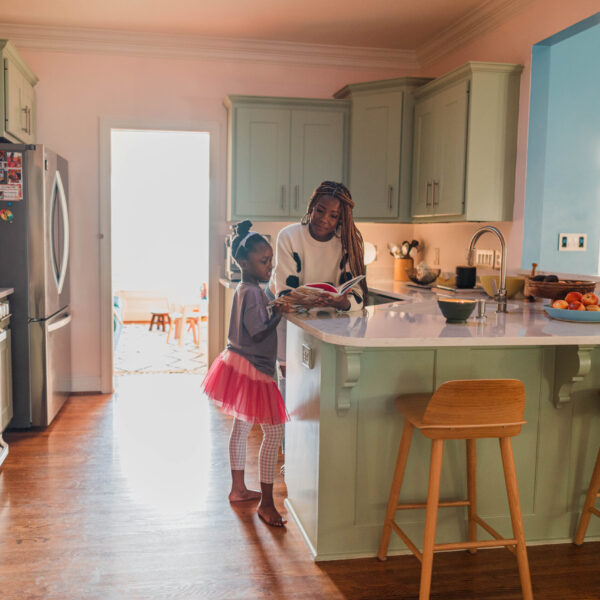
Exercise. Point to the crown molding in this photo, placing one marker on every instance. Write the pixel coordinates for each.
(486, 17)
(105, 41)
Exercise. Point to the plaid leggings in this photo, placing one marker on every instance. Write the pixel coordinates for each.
(267, 457)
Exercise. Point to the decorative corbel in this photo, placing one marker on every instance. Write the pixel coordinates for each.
(348, 367)
(572, 364)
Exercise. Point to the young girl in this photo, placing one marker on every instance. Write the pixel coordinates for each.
(240, 381)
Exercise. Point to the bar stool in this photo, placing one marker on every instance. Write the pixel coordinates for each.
(160, 319)
(468, 409)
(588, 506)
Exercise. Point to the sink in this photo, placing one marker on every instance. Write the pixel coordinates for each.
(376, 298)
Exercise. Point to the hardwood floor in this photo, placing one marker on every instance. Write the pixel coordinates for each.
(125, 497)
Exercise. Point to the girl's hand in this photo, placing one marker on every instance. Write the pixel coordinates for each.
(281, 307)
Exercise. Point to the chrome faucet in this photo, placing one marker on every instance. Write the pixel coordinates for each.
(500, 296)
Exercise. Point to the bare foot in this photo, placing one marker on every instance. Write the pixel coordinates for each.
(243, 495)
(270, 516)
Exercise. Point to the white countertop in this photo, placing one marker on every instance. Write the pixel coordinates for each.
(416, 321)
(6, 292)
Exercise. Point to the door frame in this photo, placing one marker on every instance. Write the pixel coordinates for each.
(216, 215)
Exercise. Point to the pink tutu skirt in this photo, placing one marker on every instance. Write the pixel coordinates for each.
(239, 389)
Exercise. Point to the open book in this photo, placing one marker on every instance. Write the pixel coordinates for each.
(304, 294)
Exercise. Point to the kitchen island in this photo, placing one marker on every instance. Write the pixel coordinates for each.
(344, 371)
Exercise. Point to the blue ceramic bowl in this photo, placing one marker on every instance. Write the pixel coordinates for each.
(456, 310)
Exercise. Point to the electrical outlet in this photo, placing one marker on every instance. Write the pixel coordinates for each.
(572, 242)
(484, 258)
(307, 356)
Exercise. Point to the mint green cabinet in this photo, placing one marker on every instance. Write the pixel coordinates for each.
(380, 147)
(465, 143)
(279, 150)
(17, 97)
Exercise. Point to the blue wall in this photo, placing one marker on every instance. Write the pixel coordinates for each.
(563, 158)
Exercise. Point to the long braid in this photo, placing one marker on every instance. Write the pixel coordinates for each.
(350, 236)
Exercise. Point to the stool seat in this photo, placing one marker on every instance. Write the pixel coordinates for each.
(469, 410)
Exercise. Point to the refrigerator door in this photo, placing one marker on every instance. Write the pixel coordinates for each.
(48, 233)
(50, 366)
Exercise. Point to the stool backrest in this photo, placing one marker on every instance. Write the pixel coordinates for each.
(477, 402)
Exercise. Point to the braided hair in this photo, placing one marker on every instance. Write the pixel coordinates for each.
(352, 241)
(241, 251)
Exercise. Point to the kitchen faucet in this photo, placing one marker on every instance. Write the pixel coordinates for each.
(500, 295)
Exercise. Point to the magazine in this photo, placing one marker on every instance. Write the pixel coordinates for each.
(309, 292)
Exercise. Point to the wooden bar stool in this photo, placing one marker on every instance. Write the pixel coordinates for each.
(468, 409)
(160, 319)
(588, 506)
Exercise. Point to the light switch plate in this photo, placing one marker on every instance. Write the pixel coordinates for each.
(572, 242)
(307, 356)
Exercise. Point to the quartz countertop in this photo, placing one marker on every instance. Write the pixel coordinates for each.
(4, 292)
(414, 320)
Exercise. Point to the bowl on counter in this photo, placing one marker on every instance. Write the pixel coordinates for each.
(514, 285)
(456, 310)
(423, 275)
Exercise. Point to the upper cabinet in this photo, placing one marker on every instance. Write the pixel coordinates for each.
(279, 150)
(381, 147)
(465, 144)
(17, 98)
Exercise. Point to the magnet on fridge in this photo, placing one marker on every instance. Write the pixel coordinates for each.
(6, 215)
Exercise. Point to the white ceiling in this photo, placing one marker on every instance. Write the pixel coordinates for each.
(393, 24)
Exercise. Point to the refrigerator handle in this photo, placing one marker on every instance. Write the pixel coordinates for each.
(62, 198)
(59, 324)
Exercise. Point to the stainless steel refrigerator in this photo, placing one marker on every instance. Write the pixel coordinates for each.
(34, 260)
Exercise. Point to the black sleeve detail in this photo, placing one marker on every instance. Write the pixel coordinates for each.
(284, 293)
(345, 277)
(357, 297)
(292, 281)
(343, 263)
(298, 263)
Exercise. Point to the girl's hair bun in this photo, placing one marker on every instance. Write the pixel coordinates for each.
(241, 230)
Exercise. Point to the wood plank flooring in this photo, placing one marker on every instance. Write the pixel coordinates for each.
(125, 497)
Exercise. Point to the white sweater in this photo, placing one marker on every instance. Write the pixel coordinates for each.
(300, 259)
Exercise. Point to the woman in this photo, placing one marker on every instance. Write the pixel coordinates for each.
(325, 246)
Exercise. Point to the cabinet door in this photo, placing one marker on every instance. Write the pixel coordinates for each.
(17, 120)
(375, 154)
(261, 144)
(423, 159)
(451, 108)
(6, 400)
(317, 154)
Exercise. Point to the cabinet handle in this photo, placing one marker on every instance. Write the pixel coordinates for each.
(436, 184)
(429, 185)
(296, 196)
(26, 111)
(390, 193)
(282, 197)
(30, 123)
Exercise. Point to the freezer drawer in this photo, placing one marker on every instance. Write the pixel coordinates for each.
(50, 366)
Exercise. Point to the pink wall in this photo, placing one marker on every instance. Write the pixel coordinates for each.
(75, 90)
(512, 43)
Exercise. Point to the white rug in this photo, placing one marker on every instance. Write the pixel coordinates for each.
(142, 351)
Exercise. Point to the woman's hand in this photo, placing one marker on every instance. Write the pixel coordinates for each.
(341, 302)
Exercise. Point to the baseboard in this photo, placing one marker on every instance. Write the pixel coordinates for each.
(86, 384)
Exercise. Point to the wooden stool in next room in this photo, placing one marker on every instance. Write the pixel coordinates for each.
(469, 409)
(588, 506)
(160, 319)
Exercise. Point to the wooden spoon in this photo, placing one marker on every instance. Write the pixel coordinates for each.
(533, 268)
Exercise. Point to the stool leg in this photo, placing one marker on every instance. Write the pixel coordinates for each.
(472, 490)
(161, 322)
(433, 498)
(151, 322)
(514, 505)
(590, 499)
(395, 489)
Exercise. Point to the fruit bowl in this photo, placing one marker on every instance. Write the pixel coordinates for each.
(423, 275)
(581, 316)
(556, 289)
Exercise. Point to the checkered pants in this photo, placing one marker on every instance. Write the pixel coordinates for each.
(267, 457)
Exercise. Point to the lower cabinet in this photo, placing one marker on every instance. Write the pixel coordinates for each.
(465, 144)
(279, 150)
(6, 400)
